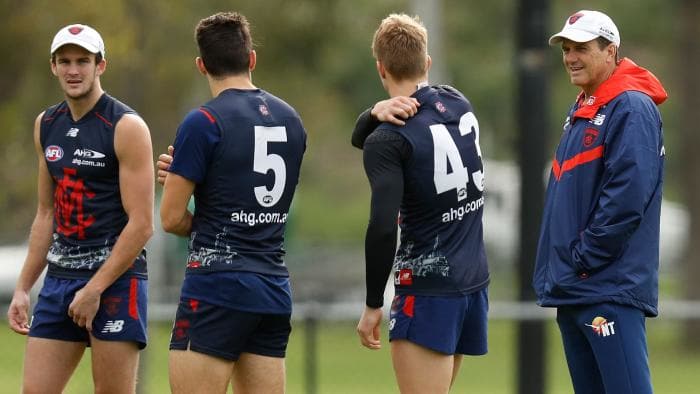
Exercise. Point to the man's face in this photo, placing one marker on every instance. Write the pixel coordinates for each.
(588, 65)
(76, 70)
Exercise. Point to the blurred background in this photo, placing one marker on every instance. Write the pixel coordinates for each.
(316, 55)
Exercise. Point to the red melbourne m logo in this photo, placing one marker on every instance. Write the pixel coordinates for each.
(68, 204)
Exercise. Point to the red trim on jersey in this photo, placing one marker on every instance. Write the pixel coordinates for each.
(581, 158)
(408, 306)
(194, 304)
(102, 118)
(208, 115)
(133, 299)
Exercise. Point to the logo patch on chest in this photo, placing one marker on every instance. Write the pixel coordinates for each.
(589, 136)
(53, 153)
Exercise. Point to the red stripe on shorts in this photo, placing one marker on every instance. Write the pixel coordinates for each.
(134, 298)
(408, 306)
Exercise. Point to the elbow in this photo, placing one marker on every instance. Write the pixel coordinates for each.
(171, 223)
(144, 228)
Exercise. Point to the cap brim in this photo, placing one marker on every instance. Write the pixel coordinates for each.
(573, 35)
(88, 47)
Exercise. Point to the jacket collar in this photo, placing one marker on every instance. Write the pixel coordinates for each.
(627, 76)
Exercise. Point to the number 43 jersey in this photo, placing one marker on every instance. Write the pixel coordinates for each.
(442, 248)
(243, 150)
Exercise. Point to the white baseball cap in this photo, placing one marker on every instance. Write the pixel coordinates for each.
(81, 35)
(585, 26)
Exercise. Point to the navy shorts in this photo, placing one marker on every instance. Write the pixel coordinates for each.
(226, 333)
(121, 317)
(449, 325)
(606, 350)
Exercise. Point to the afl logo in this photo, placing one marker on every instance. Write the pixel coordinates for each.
(53, 153)
(267, 200)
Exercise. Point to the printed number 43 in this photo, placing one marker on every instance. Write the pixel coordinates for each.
(446, 151)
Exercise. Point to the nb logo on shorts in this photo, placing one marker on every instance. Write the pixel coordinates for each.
(113, 326)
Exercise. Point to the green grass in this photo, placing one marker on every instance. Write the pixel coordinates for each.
(346, 367)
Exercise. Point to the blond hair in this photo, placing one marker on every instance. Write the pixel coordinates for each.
(401, 45)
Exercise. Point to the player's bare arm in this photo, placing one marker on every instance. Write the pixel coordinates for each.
(39, 242)
(174, 215)
(132, 144)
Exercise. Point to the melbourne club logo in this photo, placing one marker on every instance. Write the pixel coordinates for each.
(75, 30)
(573, 18)
(602, 327)
(589, 136)
(111, 305)
(53, 153)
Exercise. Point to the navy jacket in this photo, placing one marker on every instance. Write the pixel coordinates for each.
(599, 238)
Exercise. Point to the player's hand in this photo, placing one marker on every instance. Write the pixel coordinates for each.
(164, 161)
(84, 307)
(395, 110)
(18, 312)
(368, 328)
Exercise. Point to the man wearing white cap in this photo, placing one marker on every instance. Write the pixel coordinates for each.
(94, 216)
(598, 253)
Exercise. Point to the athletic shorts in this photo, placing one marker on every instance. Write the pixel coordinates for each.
(226, 333)
(449, 325)
(121, 316)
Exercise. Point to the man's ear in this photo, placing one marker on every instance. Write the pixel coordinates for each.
(252, 60)
(200, 66)
(381, 70)
(101, 66)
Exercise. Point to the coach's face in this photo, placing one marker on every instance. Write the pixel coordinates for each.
(587, 64)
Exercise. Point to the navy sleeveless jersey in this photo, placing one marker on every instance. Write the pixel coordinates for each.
(242, 201)
(88, 212)
(442, 249)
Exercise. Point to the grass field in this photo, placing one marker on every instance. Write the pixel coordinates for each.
(345, 367)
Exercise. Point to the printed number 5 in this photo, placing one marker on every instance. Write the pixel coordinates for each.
(264, 162)
(445, 150)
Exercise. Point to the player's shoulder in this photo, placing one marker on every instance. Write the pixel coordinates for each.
(53, 111)
(277, 103)
(117, 105)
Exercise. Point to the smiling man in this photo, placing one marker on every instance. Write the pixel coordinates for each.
(94, 216)
(598, 253)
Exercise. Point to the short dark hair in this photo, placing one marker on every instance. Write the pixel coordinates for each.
(224, 43)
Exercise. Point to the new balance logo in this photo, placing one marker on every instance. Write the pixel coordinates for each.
(73, 132)
(598, 119)
(602, 327)
(113, 326)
